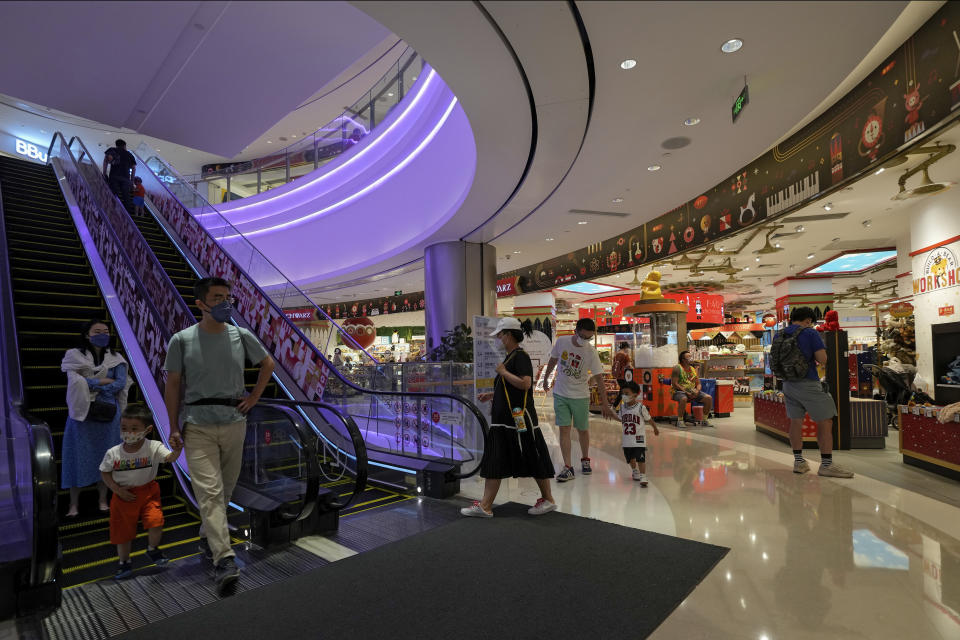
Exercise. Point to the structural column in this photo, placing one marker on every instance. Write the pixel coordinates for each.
(461, 280)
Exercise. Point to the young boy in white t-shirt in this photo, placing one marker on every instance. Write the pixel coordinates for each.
(635, 417)
(130, 471)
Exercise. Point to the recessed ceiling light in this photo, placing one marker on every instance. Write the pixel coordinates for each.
(389, 95)
(879, 171)
(654, 167)
(582, 222)
(799, 228)
(549, 239)
(746, 268)
(269, 142)
(731, 45)
(691, 121)
(293, 135)
(516, 252)
(867, 223)
(828, 206)
(617, 200)
(757, 259)
(777, 245)
(629, 63)
(809, 256)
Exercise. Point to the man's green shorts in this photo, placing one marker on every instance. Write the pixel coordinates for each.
(572, 410)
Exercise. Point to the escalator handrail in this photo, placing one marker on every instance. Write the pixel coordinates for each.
(46, 538)
(481, 420)
(45, 543)
(343, 334)
(356, 437)
(313, 465)
(151, 307)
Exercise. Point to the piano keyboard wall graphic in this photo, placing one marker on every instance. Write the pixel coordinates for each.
(794, 194)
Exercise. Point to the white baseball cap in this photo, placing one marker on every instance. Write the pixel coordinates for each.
(506, 324)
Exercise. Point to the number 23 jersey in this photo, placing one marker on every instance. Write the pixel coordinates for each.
(634, 419)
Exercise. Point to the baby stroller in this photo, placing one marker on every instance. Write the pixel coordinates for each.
(896, 389)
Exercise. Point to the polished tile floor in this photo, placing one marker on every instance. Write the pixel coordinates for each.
(874, 557)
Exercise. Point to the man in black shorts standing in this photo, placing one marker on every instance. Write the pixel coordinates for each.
(123, 168)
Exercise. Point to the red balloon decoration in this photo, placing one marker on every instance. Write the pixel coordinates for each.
(769, 321)
(362, 330)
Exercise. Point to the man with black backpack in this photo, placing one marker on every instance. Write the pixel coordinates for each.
(794, 356)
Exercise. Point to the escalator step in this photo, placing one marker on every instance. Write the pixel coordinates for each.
(35, 273)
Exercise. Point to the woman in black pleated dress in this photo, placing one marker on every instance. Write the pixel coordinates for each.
(515, 447)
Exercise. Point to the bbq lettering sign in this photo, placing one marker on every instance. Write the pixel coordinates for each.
(939, 270)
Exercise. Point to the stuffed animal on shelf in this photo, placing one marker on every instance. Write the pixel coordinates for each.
(651, 287)
(899, 339)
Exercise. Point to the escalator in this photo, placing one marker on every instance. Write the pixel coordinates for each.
(183, 277)
(156, 300)
(417, 441)
(54, 293)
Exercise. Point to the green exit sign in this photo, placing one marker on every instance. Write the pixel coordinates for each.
(742, 100)
(398, 293)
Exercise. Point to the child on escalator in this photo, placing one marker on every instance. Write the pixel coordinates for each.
(130, 471)
(138, 195)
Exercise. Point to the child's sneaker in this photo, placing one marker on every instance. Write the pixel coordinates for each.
(543, 506)
(637, 475)
(566, 474)
(124, 571)
(585, 466)
(643, 480)
(156, 555)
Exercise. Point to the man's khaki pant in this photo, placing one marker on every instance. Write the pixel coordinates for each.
(214, 453)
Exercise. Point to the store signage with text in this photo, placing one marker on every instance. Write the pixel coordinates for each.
(901, 310)
(507, 287)
(305, 314)
(30, 150)
(939, 269)
(946, 310)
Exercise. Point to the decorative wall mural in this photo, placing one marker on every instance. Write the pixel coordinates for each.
(906, 93)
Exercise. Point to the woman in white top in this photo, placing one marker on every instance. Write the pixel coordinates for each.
(97, 378)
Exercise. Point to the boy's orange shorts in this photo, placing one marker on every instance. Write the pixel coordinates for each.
(124, 515)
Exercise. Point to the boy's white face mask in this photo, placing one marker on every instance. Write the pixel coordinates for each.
(133, 437)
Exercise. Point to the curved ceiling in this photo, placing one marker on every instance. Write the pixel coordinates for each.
(210, 75)
(682, 73)
(538, 94)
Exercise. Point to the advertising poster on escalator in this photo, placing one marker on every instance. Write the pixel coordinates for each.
(487, 354)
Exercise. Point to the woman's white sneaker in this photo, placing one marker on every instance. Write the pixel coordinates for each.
(543, 506)
(475, 511)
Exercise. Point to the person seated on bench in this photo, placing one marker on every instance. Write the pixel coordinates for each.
(686, 389)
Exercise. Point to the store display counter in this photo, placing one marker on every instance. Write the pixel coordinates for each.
(927, 444)
(867, 422)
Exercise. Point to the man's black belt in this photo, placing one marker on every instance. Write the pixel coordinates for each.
(223, 402)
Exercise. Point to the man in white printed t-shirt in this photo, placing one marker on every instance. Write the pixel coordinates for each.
(578, 364)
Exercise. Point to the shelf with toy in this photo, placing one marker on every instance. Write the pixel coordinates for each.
(612, 389)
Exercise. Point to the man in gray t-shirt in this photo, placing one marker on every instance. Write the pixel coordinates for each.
(207, 360)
